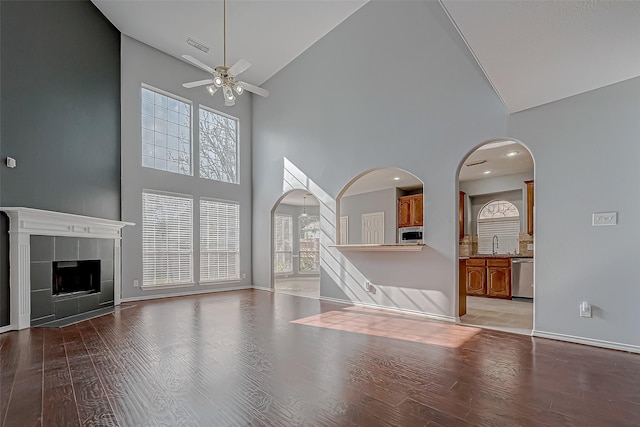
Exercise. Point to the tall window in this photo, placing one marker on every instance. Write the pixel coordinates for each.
(498, 228)
(309, 244)
(218, 146)
(283, 244)
(219, 241)
(166, 132)
(167, 234)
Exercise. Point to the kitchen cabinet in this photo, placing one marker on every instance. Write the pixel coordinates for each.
(488, 277)
(410, 211)
(530, 202)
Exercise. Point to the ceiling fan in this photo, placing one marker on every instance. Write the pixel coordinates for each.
(222, 76)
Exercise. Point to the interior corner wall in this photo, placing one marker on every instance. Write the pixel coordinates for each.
(356, 205)
(60, 112)
(142, 64)
(324, 132)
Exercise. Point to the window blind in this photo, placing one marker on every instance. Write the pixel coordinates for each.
(507, 230)
(219, 240)
(167, 234)
(282, 241)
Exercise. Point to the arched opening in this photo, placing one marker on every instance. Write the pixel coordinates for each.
(380, 206)
(295, 245)
(495, 236)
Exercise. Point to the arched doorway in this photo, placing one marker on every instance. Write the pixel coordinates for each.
(496, 235)
(295, 245)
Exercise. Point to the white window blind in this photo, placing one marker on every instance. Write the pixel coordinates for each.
(166, 132)
(498, 218)
(309, 244)
(219, 241)
(167, 235)
(218, 146)
(283, 244)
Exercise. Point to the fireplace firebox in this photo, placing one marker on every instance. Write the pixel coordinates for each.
(75, 277)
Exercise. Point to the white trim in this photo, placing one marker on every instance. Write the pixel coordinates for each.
(182, 294)
(25, 222)
(4, 329)
(168, 286)
(385, 248)
(394, 309)
(587, 341)
(219, 282)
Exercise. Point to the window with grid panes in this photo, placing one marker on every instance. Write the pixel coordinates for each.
(166, 132)
(219, 241)
(498, 218)
(167, 236)
(283, 243)
(218, 146)
(309, 228)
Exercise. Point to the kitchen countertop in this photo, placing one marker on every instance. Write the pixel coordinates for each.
(496, 256)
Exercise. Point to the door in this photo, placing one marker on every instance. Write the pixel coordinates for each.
(404, 212)
(417, 204)
(344, 230)
(373, 228)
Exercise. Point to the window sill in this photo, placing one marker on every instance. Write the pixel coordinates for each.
(219, 282)
(167, 286)
(380, 248)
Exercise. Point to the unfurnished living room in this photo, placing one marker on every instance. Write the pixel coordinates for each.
(319, 213)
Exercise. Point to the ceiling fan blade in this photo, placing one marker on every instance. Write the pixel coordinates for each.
(239, 67)
(254, 89)
(198, 83)
(198, 64)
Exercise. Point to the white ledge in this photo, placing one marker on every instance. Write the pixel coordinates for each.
(379, 248)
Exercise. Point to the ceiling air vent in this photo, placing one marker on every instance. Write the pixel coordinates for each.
(476, 163)
(197, 45)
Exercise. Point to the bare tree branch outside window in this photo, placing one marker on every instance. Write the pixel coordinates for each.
(218, 147)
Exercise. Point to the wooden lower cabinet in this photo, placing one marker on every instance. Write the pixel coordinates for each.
(489, 277)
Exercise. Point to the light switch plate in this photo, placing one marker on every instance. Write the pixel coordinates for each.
(605, 218)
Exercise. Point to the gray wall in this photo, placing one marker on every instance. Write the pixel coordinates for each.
(295, 212)
(60, 105)
(143, 64)
(585, 149)
(321, 137)
(374, 201)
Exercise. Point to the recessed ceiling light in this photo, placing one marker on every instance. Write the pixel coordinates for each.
(396, 178)
(512, 153)
(487, 172)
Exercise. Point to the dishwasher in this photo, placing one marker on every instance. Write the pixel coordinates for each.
(522, 278)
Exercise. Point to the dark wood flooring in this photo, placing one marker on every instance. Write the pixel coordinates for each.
(252, 358)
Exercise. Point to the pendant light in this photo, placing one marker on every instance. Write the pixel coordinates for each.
(304, 208)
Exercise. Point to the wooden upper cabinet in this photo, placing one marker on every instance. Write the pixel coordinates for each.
(461, 214)
(530, 202)
(410, 211)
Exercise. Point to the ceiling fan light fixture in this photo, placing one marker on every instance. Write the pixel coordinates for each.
(238, 88)
(212, 89)
(217, 81)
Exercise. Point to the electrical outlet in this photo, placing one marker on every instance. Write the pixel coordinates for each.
(529, 246)
(135, 283)
(244, 276)
(11, 162)
(604, 218)
(585, 309)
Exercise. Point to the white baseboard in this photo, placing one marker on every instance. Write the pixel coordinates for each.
(182, 294)
(262, 288)
(7, 328)
(396, 309)
(587, 341)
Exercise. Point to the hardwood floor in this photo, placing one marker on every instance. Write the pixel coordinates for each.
(253, 358)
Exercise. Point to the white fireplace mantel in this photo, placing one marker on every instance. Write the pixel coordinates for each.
(25, 222)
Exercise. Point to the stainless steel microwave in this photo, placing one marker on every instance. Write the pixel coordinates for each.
(410, 235)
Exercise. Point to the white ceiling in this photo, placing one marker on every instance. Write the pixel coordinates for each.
(496, 160)
(299, 198)
(533, 52)
(267, 33)
(381, 179)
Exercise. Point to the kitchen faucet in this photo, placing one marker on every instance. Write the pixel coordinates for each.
(494, 245)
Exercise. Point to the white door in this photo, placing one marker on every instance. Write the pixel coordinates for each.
(373, 228)
(344, 230)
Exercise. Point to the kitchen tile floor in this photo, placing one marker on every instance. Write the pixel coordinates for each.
(504, 315)
(299, 286)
